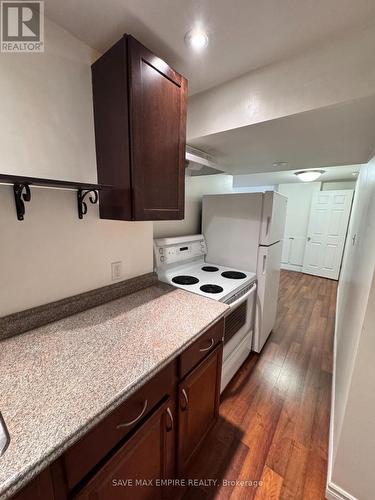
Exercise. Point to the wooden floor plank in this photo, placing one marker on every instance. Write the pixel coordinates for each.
(274, 414)
(270, 489)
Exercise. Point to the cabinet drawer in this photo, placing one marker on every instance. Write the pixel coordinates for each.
(93, 447)
(201, 347)
(147, 456)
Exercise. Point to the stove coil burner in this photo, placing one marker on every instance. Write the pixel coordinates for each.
(233, 275)
(185, 280)
(210, 269)
(211, 288)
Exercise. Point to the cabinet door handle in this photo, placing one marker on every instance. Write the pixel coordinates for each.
(170, 427)
(183, 408)
(209, 347)
(128, 424)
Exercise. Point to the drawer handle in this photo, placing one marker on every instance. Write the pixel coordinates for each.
(169, 428)
(183, 408)
(128, 424)
(208, 348)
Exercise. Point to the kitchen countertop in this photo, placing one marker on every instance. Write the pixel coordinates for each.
(59, 380)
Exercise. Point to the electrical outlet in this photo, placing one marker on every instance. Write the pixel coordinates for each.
(116, 268)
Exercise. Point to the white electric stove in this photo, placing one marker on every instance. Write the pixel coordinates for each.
(181, 262)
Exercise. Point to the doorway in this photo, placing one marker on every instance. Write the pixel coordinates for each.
(326, 234)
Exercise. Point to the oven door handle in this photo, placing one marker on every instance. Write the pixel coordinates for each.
(244, 297)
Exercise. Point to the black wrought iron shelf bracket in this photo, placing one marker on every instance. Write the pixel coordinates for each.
(22, 191)
(82, 205)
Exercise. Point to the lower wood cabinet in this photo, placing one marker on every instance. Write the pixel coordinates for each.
(83, 456)
(198, 398)
(41, 488)
(151, 437)
(135, 471)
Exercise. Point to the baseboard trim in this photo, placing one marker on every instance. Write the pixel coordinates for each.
(289, 267)
(334, 492)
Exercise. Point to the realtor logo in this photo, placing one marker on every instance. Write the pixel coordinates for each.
(22, 26)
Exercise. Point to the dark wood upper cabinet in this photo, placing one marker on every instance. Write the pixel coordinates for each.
(140, 132)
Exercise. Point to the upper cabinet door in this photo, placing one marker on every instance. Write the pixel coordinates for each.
(140, 131)
(158, 135)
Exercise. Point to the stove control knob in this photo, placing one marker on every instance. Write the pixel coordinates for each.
(161, 251)
(162, 259)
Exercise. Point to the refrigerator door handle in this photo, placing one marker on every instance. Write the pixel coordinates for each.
(268, 224)
(264, 264)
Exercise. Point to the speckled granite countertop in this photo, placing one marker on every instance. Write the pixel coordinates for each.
(58, 381)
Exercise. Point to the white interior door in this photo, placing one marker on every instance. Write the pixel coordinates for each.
(328, 223)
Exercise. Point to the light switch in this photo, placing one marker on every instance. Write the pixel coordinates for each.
(116, 268)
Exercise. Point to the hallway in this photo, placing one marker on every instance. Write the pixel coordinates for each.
(274, 415)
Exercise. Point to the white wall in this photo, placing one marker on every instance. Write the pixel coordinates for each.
(334, 185)
(297, 219)
(195, 188)
(340, 71)
(46, 130)
(352, 446)
(254, 189)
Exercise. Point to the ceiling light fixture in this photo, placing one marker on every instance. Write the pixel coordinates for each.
(196, 39)
(280, 164)
(309, 175)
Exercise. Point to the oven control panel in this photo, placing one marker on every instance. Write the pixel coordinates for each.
(178, 252)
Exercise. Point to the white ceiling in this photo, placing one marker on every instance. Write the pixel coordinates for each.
(244, 34)
(342, 173)
(343, 134)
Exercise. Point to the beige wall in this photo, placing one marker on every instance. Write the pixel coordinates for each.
(352, 447)
(195, 188)
(46, 119)
(317, 78)
(46, 130)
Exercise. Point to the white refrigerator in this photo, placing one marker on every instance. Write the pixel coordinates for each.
(245, 230)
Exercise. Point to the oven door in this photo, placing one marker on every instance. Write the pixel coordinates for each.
(238, 334)
(240, 318)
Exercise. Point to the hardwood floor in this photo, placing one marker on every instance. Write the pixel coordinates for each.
(274, 415)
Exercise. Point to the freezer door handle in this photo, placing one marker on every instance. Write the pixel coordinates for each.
(264, 264)
(268, 224)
